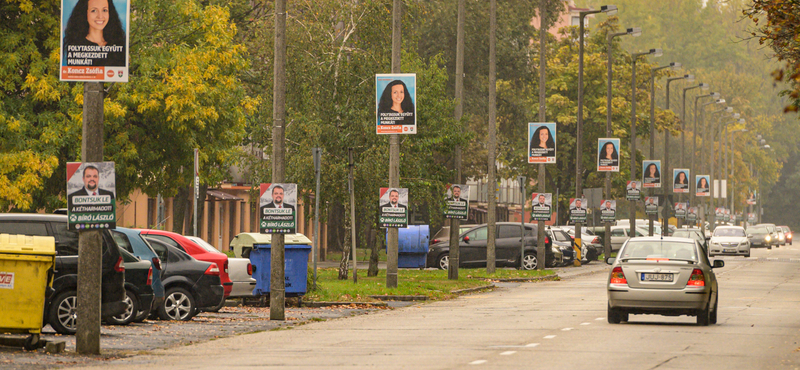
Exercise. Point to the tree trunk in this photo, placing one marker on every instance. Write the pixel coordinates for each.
(336, 216)
(374, 241)
(346, 250)
(179, 207)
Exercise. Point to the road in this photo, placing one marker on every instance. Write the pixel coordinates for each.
(549, 325)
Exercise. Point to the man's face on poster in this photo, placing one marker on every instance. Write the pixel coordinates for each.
(456, 192)
(541, 199)
(608, 205)
(577, 203)
(394, 197)
(633, 185)
(90, 178)
(277, 195)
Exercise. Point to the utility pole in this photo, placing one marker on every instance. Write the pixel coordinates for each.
(541, 250)
(196, 181)
(351, 182)
(394, 149)
(492, 213)
(455, 223)
(277, 294)
(317, 152)
(90, 257)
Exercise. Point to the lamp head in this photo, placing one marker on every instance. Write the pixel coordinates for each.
(656, 52)
(689, 77)
(758, 137)
(741, 120)
(736, 115)
(728, 109)
(766, 146)
(609, 9)
(634, 31)
(720, 101)
(704, 86)
(675, 66)
(715, 95)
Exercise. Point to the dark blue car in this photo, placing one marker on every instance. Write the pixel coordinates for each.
(133, 242)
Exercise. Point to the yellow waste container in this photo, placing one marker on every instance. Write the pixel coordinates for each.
(26, 270)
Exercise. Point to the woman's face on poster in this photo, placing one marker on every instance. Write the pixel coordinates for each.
(97, 15)
(609, 150)
(543, 136)
(703, 183)
(651, 170)
(398, 94)
(681, 177)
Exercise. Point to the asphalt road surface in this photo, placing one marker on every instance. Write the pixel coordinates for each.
(548, 325)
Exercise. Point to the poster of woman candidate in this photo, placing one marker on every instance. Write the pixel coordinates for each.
(94, 40)
(278, 213)
(395, 103)
(607, 155)
(651, 173)
(541, 206)
(541, 142)
(91, 195)
(701, 185)
(680, 180)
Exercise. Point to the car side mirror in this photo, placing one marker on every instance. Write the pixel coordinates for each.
(708, 238)
(749, 236)
(718, 264)
(610, 260)
(466, 239)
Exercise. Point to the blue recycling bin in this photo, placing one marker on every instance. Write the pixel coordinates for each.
(412, 246)
(295, 273)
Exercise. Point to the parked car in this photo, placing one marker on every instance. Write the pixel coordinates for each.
(472, 247)
(729, 240)
(60, 309)
(773, 233)
(592, 245)
(788, 233)
(132, 241)
(759, 237)
(692, 233)
(138, 288)
(443, 234)
(564, 243)
(191, 285)
(200, 252)
(663, 276)
(240, 272)
(620, 234)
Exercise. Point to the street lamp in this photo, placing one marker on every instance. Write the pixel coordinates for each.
(701, 86)
(634, 31)
(634, 56)
(733, 168)
(706, 156)
(693, 169)
(723, 161)
(609, 10)
(665, 166)
(673, 66)
(712, 159)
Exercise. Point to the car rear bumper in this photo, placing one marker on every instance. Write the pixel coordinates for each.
(738, 251)
(208, 295)
(243, 288)
(658, 300)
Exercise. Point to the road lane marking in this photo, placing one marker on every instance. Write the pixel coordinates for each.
(586, 323)
(566, 329)
(599, 319)
(506, 353)
(477, 362)
(531, 345)
(550, 337)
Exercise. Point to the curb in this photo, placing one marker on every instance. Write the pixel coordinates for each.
(475, 289)
(400, 297)
(554, 277)
(329, 304)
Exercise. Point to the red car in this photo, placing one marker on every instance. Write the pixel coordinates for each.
(198, 252)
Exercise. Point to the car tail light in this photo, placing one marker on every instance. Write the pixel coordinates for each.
(697, 278)
(212, 270)
(434, 241)
(157, 263)
(150, 276)
(226, 266)
(596, 240)
(546, 240)
(250, 269)
(618, 277)
(120, 266)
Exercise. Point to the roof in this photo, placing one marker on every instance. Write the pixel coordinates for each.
(219, 195)
(33, 217)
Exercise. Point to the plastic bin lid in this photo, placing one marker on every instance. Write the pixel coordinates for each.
(256, 238)
(27, 244)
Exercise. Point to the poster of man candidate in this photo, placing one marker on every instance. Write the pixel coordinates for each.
(94, 40)
(680, 180)
(651, 205)
(702, 188)
(541, 142)
(727, 215)
(396, 103)
(277, 207)
(751, 218)
(577, 209)
(608, 210)
(719, 213)
(457, 201)
(680, 209)
(91, 195)
(607, 155)
(393, 207)
(633, 190)
(651, 174)
(691, 215)
(541, 206)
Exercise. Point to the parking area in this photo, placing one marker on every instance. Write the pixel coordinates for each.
(133, 339)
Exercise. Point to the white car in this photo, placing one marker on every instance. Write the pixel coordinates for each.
(729, 240)
(619, 235)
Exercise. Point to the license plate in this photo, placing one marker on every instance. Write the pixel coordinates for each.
(729, 251)
(656, 277)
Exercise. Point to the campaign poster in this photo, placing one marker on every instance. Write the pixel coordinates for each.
(541, 142)
(608, 210)
(277, 206)
(94, 41)
(751, 218)
(607, 155)
(751, 199)
(651, 174)
(541, 206)
(726, 215)
(691, 215)
(739, 217)
(702, 185)
(91, 195)
(457, 202)
(651, 205)
(680, 209)
(633, 190)
(394, 207)
(396, 103)
(680, 180)
(719, 212)
(577, 209)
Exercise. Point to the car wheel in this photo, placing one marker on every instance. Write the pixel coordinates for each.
(141, 316)
(131, 310)
(64, 313)
(713, 318)
(613, 315)
(585, 256)
(443, 263)
(530, 262)
(178, 305)
(770, 247)
(704, 316)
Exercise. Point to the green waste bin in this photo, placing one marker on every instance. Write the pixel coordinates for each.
(26, 270)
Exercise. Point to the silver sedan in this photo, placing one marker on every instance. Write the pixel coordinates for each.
(662, 276)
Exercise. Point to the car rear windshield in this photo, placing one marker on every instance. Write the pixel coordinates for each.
(757, 230)
(659, 249)
(685, 234)
(729, 232)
